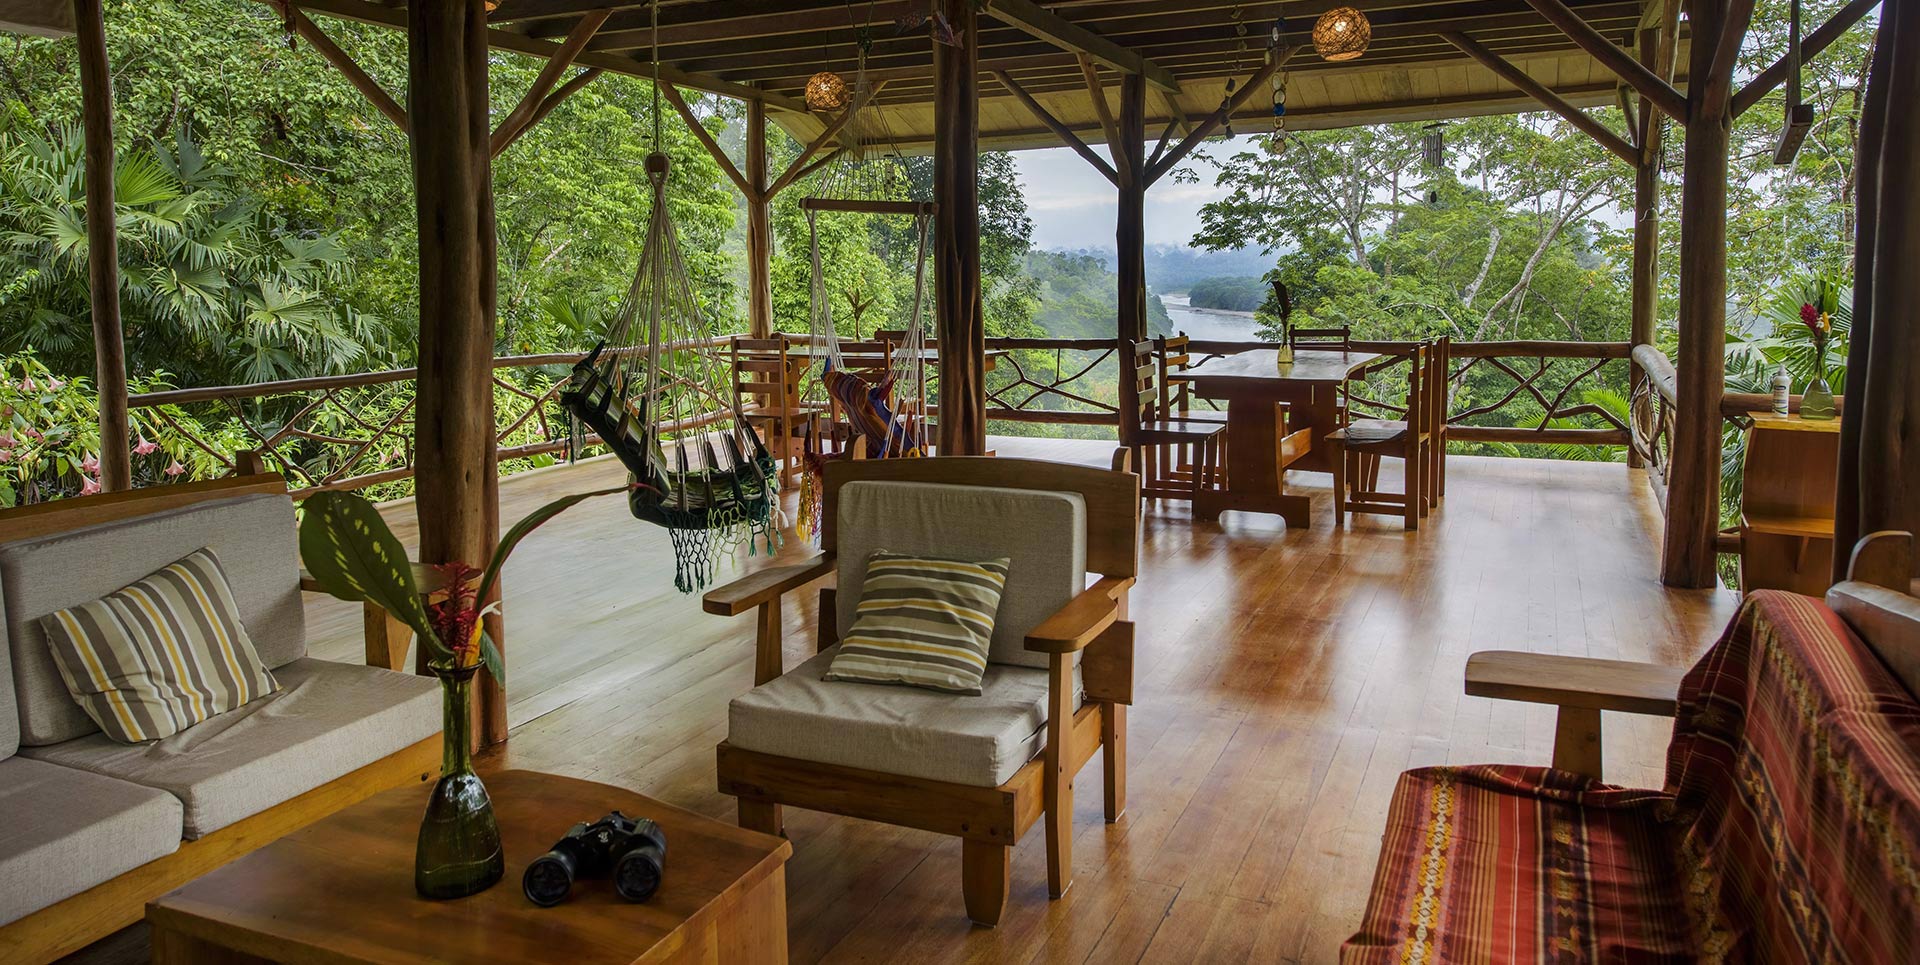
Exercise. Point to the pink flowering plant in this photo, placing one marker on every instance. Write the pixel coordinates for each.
(50, 436)
(350, 552)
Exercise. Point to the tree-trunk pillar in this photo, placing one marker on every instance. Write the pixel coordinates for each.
(1130, 242)
(456, 480)
(1880, 428)
(759, 225)
(959, 318)
(1646, 228)
(103, 250)
(1693, 485)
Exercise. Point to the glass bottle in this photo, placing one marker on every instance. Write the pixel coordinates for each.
(459, 849)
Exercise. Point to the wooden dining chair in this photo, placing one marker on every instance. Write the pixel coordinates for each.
(1196, 447)
(1358, 447)
(766, 388)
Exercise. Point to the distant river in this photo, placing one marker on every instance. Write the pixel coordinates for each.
(1209, 323)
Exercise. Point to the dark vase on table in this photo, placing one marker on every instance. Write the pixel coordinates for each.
(459, 851)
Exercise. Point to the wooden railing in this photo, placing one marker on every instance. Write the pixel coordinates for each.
(1023, 388)
(1652, 402)
(355, 431)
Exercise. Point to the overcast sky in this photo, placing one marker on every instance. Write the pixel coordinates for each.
(1072, 205)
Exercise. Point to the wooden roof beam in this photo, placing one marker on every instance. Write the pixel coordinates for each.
(1540, 92)
(1067, 35)
(1671, 102)
(1811, 45)
(552, 101)
(375, 13)
(1062, 131)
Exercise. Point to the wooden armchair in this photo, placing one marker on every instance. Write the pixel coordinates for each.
(766, 389)
(1059, 679)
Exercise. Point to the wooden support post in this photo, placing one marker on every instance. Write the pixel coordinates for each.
(456, 480)
(958, 314)
(103, 247)
(1646, 227)
(1879, 458)
(759, 225)
(1693, 482)
(1130, 243)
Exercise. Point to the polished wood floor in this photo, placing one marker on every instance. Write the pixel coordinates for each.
(1285, 679)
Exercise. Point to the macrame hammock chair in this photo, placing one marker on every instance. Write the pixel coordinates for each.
(887, 419)
(663, 408)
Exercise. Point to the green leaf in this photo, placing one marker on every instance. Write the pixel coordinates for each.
(490, 655)
(352, 554)
(520, 530)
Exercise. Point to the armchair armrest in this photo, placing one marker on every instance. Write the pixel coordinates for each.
(1585, 682)
(765, 586)
(1582, 687)
(1083, 619)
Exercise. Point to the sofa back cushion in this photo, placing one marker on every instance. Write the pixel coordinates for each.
(1795, 771)
(1042, 535)
(253, 536)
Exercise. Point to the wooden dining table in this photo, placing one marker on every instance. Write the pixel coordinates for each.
(1278, 418)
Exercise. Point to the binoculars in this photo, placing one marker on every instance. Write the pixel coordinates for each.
(633, 850)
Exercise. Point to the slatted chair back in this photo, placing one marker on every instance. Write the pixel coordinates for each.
(1337, 338)
(1146, 372)
(1174, 357)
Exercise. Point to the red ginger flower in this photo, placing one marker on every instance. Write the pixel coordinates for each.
(456, 619)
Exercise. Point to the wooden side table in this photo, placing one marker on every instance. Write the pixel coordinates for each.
(341, 890)
(1786, 504)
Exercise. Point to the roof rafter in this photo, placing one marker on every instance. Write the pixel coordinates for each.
(1067, 35)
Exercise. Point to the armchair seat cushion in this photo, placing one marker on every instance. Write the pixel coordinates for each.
(979, 741)
(63, 831)
(327, 720)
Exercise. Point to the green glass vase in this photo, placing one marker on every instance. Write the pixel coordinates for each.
(459, 851)
(1816, 404)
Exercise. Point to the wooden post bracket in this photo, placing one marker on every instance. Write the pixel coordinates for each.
(1060, 130)
(1624, 65)
(1811, 45)
(1218, 118)
(533, 104)
(345, 64)
(1545, 95)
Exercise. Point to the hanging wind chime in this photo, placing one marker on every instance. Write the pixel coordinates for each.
(1277, 141)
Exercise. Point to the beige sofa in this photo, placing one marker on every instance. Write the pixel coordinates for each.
(90, 829)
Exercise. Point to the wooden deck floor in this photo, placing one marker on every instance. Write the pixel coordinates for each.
(1285, 680)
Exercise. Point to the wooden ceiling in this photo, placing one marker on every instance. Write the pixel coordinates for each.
(1189, 50)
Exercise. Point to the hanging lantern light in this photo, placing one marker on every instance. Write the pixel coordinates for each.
(1342, 34)
(826, 91)
(491, 5)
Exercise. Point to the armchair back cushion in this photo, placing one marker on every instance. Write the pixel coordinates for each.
(1042, 535)
(252, 535)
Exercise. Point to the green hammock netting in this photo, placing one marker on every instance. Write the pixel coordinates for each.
(664, 407)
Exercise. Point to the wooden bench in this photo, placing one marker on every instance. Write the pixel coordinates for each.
(1787, 829)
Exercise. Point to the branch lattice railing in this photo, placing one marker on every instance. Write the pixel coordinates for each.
(350, 432)
(1054, 380)
(1655, 393)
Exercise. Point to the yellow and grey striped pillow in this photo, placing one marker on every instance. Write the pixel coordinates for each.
(923, 623)
(154, 658)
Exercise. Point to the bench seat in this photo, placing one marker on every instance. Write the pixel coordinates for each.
(63, 831)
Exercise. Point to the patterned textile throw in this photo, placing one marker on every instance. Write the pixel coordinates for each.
(923, 623)
(868, 413)
(154, 658)
(1789, 829)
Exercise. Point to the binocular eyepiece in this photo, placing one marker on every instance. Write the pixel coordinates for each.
(633, 850)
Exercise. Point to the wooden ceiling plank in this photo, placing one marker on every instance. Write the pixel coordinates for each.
(1545, 95)
(1063, 33)
(521, 117)
(1053, 124)
(1623, 64)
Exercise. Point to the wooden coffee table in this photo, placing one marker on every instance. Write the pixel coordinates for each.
(341, 890)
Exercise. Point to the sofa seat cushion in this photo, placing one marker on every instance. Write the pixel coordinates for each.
(1523, 864)
(253, 536)
(63, 831)
(327, 720)
(979, 741)
(1043, 535)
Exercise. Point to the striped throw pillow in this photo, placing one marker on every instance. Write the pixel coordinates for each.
(154, 658)
(922, 623)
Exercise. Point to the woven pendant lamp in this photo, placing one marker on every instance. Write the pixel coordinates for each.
(1342, 34)
(826, 91)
